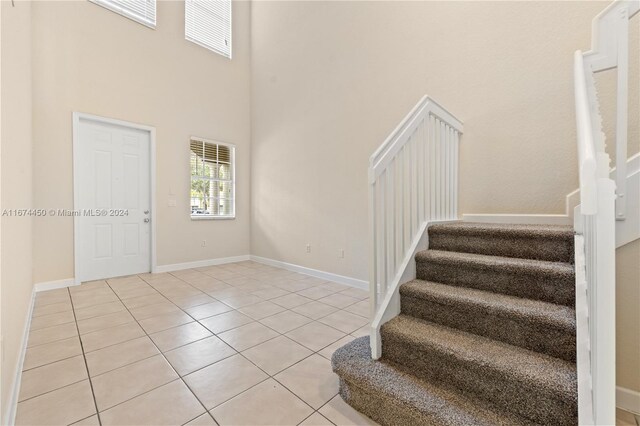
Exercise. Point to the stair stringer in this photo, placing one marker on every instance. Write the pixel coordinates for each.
(390, 306)
(583, 358)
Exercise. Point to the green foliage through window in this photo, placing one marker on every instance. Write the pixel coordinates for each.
(212, 185)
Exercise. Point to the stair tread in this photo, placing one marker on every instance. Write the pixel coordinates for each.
(440, 406)
(550, 314)
(510, 264)
(553, 243)
(504, 229)
(527, 367)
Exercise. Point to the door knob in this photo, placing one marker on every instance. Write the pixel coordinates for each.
(146, 220)
(146, 212)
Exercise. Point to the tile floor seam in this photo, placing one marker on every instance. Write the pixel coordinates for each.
(113, 344)
(318, 412)
(46, 343)
(86, 366)
(49, 363)
(255, 320)
(299, 397)
(231, 397)
(269, 376)
(139, 395)
(138, 321)
(177, 347)
(124, 365)
(213, 334)
(208, 365)
(51, 390)
(273, 376)
(49, 326)
(166, 360)
(312, 319)
(199, 322)
(197, 417)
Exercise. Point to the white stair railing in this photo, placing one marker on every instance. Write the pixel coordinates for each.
(413, 181)
(600, 205)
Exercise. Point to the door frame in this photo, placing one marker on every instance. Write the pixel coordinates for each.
(77, 117)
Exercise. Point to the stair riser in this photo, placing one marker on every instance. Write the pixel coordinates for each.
(537, 337)
(548, 288)
(554, 250)
(380, 408)
(478, 381)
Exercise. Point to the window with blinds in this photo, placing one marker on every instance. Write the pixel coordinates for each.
(142, 11)
(212, 179)
(208, 23)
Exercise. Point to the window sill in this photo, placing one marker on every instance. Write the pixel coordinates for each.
(205, 217)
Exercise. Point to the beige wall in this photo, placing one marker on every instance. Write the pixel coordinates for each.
(89, 59)
(324, 100)
(15, 151)
(628, 316)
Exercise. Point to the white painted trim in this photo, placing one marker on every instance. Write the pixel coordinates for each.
(628, 399)
(77, 116)
(53, 285)
(152, 200)
(389, 308)
(10, 418)
(200, 263)
(341, 279)
(522, 219)
(583, 358)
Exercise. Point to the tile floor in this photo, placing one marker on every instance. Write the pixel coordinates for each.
(235, 344)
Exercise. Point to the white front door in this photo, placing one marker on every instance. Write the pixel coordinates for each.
(112, 178)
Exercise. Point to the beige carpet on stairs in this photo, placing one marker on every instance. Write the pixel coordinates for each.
(486, 333)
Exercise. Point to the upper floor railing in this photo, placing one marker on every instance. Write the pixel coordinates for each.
(610, 50)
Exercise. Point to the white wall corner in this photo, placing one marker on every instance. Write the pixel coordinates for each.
(10, 416)
(200, 263)
(341, 279)
(627, 399)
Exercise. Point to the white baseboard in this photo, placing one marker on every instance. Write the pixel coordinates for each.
(521, 219)
(352, 282)
(200, 263)
(627, 399)
(53, 285)
(10, 417)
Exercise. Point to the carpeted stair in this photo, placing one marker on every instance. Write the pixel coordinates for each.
(486, 334)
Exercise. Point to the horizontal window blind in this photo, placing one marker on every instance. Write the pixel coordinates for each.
(212, 180)
(208, 23)
(143, 11)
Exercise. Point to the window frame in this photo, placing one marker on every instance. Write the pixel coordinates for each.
(123, 12)
(232, 156)
(204, 45)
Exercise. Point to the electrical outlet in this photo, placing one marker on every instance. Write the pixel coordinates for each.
(340, 253)
(204, 243)
(308, 248)
(172, 202)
